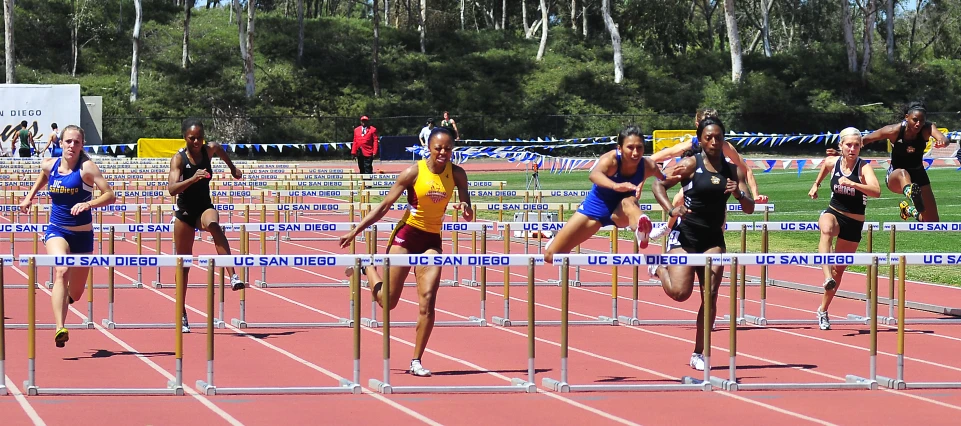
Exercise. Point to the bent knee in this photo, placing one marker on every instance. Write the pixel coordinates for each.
(680, 295)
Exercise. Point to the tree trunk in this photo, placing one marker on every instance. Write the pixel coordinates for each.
(300, 32)
(387, 13)
(870, 20)
(889, 14)
(544, 25)
(848, 28)
(186, 57)
(574, 15)
(376, 49)
(135, 61)
(423, 26)
(462, 15)
(74, 28)
(734, 40)
(503, 14)
(766, 25)
(249, 60)
(615, 40)
(527, 28)
(8, 46)
(584, 23)
(914, 29)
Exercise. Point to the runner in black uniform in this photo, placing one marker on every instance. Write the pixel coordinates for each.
(906, 175)
(708, 182)
(852, 182)
(189, 180)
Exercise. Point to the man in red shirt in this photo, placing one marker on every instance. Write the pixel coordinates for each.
(365, 146)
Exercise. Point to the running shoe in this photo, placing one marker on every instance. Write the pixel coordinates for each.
(829, 284)
(652, 269)
(908, 211)
(913, 192)
(643, 231)
(824, 323)
(417, 369)
(349, 272)
(659, 231)
(697, 362)
(184, 325)
(61, 337)
(236, 283)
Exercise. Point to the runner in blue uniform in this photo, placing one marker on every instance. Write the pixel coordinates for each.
(708, 181)
(617, 179)
(53, 144)
(852, 182)
(71, 180)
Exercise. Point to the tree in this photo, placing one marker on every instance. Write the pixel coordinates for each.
(543, 45)
(300, 32)
(615, 40)
(376, 49)
(423, 26)
(889, 21)
(734, 40)
(135, 61)
(847, 25)
(8, 45)
(188, 4)
(246, 37)
(870, 18)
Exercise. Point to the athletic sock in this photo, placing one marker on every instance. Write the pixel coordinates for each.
(906, 190)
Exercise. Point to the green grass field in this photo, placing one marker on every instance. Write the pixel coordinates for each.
(788, 192)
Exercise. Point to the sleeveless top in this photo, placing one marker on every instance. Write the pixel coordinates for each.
(66, 191)
(612, 195)
(446, 123)
(908, 154)
(704, 194)
(24, 135)
(844, 198)
(56, 140)
(429, 197)
(197, 195)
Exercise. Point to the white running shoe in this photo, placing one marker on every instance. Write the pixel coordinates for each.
(643, 231)
(823, 321)
(697, 362)
(236, 283)
(659, 231)
(652, 269)
(417, 369)
(184, 325)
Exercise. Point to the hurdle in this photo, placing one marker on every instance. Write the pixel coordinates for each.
(687, 383)
(277, 228)
(764, 259)
(208, 386)
(174, 387)
(898, 382)
(3, 334)
(479, 320)
(851, 381)
(517, 384)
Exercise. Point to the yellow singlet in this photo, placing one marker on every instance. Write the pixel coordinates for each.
(429, 198)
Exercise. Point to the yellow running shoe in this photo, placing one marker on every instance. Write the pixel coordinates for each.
(61, 337)
(907, 211)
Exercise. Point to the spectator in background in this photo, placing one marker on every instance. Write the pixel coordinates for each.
(450, 124)
(425, 132)
(365, 146)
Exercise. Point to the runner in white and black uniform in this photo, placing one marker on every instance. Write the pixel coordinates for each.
(852, 182)
(708, 182)
(189, 180)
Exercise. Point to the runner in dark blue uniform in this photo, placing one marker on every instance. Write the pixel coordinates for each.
(708, 181)
(189, 180)
(907, 175)
(71, 180)
(617, 179)
(852, 182)
(53, 144)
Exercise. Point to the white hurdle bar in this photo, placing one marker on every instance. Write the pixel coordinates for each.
(174, 387)
(902, 260)
(517, 384)
(348, 386)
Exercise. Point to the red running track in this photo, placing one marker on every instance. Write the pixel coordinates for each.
(470, 355)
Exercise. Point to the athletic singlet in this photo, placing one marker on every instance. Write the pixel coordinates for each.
(845, 198)
(908, 154)
(56, 140)
(446, 123)
(65, 192)
(24, 135)
(429, 197)
(610, 194)
(704, 194)
(197, 195)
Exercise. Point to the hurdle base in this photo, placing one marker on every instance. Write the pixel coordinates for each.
(724, 384)
(33, 390)
(810, 322)
(507, 322)
(342, 322)
(865, 320)
(625, 320)
(381, 387)
(82, 326)
(470, 322)
(517, 386)
(858, 381)
(3, 390)
(264, 284)
(739, 320)
(346, 386)
(892, 383)
(138, 326)
(159, 285)
(49, 285)
(687, 383)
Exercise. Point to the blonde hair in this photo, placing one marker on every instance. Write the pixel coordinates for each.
(850, 131)
(705, 113)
